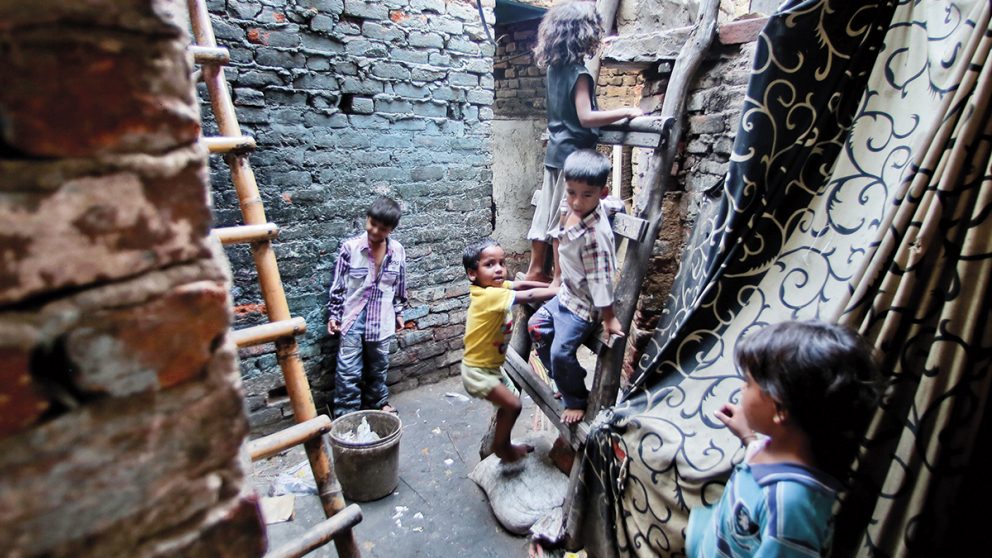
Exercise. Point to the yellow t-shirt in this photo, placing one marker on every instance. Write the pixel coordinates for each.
(488, 325)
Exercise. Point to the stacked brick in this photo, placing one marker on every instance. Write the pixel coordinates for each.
(349, 99)
(520, 83)
(121, 415)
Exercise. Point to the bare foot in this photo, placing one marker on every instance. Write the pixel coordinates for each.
(513, 452)
(389, 409)
(572, 416)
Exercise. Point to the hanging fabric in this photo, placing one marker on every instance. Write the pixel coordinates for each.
(858, 164)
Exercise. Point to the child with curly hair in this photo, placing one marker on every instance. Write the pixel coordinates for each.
(569, 32)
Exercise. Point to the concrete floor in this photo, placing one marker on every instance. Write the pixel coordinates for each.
(436, 511)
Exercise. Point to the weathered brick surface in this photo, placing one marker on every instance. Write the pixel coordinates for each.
(122, 416)
(137, 93)
(71, 224)
(374, 98)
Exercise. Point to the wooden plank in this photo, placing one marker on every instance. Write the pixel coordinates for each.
(246, 233)
(743, 31)
(266, 333)
(635, 139)
(293, 436)
(320, 534)
(630, 227)
(521, 372)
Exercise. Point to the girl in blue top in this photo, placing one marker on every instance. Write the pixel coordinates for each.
(569, 32)
(809, 393)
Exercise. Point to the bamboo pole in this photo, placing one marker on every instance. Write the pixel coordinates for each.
(269, 332)
(246, 233)
(606, 382)
(292, 436)
(320, 534)
(287, 351)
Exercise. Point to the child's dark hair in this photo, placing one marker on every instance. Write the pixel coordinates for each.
(473, 252)
(589, 166)
(386, 211)
(569, 32)
(825, 376)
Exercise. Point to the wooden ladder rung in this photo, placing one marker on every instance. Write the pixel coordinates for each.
(266, 333)
(247, 233)
(521, 372)
(292, 436)
(228, 144)
(319, 534)
(210, 55)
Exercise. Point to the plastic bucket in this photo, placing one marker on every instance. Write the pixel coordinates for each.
(367, 471)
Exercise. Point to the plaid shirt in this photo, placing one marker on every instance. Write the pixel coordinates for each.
(586, 255)
(354, 288)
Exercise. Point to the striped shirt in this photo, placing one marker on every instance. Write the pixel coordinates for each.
(354, 288)
(586, 256)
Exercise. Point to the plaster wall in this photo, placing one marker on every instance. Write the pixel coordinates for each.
(518, 169)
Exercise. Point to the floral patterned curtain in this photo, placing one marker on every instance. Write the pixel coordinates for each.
(858, 192)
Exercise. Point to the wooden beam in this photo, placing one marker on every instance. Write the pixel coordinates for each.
(521, 372)
(630, 227)
(293, 436)
(320, 534)
(633, 139)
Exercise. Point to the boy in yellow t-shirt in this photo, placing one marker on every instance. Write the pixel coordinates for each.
(487, 332)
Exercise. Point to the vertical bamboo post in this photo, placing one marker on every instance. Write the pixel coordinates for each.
(253, 212)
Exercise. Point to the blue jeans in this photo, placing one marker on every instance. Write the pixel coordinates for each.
(360, 362)
(557, 334)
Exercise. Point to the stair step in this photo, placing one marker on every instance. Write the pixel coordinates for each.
(265, 333)
(226, 144)
(210, 55)
(247, 233)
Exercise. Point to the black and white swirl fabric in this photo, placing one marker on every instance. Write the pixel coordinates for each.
(858, 191)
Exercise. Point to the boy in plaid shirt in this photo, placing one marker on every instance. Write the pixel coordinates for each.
(587, 262)
(365, 308)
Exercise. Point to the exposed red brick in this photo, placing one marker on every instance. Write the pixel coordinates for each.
(21, 400)
(398, 15)
(249, 309)
(256, 36)
(152, 346)
(278, 17)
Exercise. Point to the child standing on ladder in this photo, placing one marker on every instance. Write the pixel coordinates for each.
(587, 258)
(810, 390)
(366, 308)
(569, 32)
(487, 332)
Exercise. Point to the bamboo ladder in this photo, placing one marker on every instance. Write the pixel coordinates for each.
(282, 327)
(660, 133)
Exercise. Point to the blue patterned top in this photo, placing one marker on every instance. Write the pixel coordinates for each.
(781, 510)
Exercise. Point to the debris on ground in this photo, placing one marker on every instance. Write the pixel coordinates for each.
(276, 509)
(459, 396)
(298, 479)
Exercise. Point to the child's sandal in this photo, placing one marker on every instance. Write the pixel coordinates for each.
(387, 408)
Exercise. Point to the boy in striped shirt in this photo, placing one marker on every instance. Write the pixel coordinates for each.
(365, 307)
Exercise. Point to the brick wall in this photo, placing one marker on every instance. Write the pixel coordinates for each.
(349, 100)
(121, 416)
